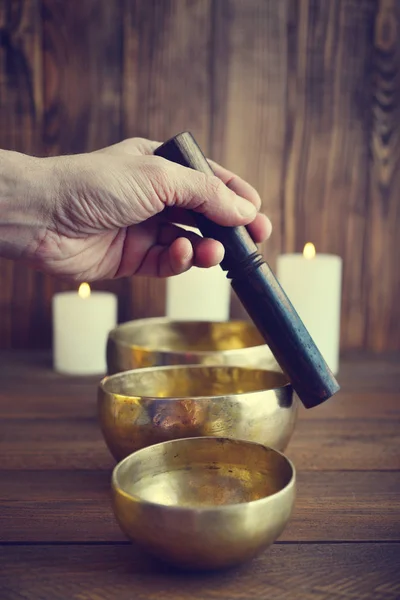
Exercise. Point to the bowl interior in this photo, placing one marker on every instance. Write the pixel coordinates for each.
(192, 381)
(199, 336)
(203, 472)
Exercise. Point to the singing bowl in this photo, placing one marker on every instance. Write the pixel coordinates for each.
(160, 341)
(204, 503)
(146, 406)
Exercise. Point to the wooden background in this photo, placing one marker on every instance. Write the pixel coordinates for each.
(301, 97)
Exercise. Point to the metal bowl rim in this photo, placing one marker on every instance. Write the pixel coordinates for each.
(203, 509)
(287, 386)
(160, 350)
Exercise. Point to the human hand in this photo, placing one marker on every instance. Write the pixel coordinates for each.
(116, 212)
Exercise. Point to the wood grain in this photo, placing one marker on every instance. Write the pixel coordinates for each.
(21, 115)
(76, 443)
(78, 399)
(327, 143)
(365, 373)
(82, 53)
(302, 98)
(166, 50)
(59, 538)
(249, 71)
(58, 58)
(383, 329)
(21, 79)
(74, 506)
(342, 434)
(166, 47)
(303, 572)
(369, 388)
(80, 117)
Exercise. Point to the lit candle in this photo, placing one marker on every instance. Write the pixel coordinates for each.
(81, 323)
(313, 284)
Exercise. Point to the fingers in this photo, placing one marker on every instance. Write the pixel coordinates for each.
(180, 256)
(260, 229)
(208, 253)
(163, 250)
(236, 184)
(177, 250)
(180, 188)
(175, 259)
(205, 252)
(177, 186)
(224, 198)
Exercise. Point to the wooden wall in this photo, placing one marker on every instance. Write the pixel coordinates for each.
(301, 97)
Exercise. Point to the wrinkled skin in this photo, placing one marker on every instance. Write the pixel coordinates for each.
(117, 212)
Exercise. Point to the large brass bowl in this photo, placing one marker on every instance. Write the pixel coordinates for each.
(146, 406)
(204, 503)
(159, 341)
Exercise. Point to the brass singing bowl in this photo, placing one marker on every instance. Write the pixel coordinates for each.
(147, 406)
(160, 341)
(204, 503)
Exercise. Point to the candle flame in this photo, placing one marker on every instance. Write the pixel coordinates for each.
(309, 251)
(84, 290)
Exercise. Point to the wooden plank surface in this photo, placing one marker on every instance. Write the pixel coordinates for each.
(59, 538)
(249, 87)
(359, 429)
(76, 443)
(359, 372)
(284, 572)
(61, 78)
(383, 329)
(21, 118)
(301, 97)
(74, 506)
(249, 81)
(327, 141)
(82, 50)
(166, 57)
(79, 399)
(82, 117)
(369, 385)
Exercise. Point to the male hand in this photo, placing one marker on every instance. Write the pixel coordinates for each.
(116, 212)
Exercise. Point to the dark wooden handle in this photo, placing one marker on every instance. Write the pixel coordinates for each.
(260, 293)
(183, 149)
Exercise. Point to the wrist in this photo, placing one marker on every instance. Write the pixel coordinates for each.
(25, 203)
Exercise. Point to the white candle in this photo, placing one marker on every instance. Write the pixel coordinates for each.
(199, 295)
(81, 323)
(313, 284)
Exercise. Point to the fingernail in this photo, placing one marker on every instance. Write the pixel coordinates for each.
(269, 228)
(187, 255)
(219, 253)
(245, 208)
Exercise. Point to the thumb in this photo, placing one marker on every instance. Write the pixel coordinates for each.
(182, 187)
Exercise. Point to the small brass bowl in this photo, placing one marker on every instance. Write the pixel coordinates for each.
(160, 341)
(147, 406)
(204, 503)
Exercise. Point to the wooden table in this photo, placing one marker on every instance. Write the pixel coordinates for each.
(59, 540)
